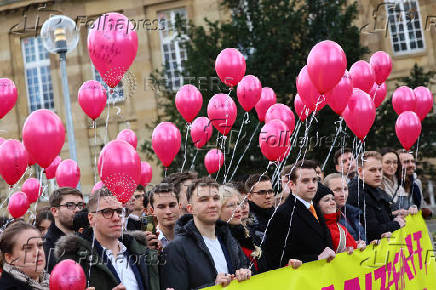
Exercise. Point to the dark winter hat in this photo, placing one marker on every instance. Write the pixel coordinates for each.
(321, 192)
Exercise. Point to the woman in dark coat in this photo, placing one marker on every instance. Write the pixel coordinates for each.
(23, 259)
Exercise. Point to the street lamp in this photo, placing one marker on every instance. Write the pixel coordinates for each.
(59, 35)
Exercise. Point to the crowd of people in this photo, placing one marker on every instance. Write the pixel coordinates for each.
(189, 232)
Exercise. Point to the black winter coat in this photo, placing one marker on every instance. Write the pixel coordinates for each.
(307, 238)
(260, 217)
(51, 237)
(8, 282)
(189, 264)
(378, 214)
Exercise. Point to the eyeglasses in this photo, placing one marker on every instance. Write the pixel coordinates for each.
(72, 205)
(108, 213)
(264, 192)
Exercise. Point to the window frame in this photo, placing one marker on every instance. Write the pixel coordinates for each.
(168, 40)
(403, 20)
(36, 64)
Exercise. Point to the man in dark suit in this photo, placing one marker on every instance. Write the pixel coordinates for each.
(296, 230)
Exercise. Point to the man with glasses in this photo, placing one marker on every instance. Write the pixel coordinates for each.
(119, 261)
(261, 200)
(135, 210)
(64, 203)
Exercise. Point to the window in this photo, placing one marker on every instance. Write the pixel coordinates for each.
(173, 51)
(117, 94)
(37, 72)
(404, 21)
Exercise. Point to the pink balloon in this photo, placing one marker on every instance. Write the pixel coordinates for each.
(8, 96)
(119, 167)
(249, 92)
(112, 46)
(68, 173)
(230, 66)
(301, 109)
(92, 98)
(378, 93)
(359, 113)
(267, 99)
(2, 140)
(403, 99)
(146, 173)
(50, 172)
(308, 92)
(408, 128)
(128, 136)
(283, 113)
(222, 111)
(274, 140)
(326, 64)
(166, 141)
(43, 136)
(188, 102)
(338, 97)
(18, 204)
(362, 75)
(67, 274)
(13, 161)
(201, 131)
(213, 160)
(381, 63)
(424, 101)
(31, 187)
(97, 186)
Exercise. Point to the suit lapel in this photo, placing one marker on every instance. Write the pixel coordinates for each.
(308, 218)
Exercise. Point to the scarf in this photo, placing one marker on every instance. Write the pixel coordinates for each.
(20, 276)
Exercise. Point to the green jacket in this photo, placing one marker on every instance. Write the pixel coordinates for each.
(79, 249)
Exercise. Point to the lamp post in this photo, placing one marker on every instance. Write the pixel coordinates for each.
(59, 35)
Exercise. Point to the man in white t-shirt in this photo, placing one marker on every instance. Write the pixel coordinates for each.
(204, 252)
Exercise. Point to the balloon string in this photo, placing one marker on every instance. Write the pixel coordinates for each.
(245, 151)
(107, 119)
(417, 147)
(246, 120)
(39, 194)
(13, 187)
(94, 125)
(222, 148)
(165, 172)
(193, 160)
(338, 131)
(188, 126)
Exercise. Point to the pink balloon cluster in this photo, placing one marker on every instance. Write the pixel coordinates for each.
(412, 106)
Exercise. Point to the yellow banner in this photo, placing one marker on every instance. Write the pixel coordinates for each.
(406, 261)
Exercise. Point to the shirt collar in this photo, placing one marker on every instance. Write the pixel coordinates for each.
(306, 204)
(121, 246)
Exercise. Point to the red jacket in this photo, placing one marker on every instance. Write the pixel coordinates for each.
(331, 220)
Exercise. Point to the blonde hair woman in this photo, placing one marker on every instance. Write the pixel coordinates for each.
(231, 213)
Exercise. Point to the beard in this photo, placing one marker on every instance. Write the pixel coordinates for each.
(66, 222)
